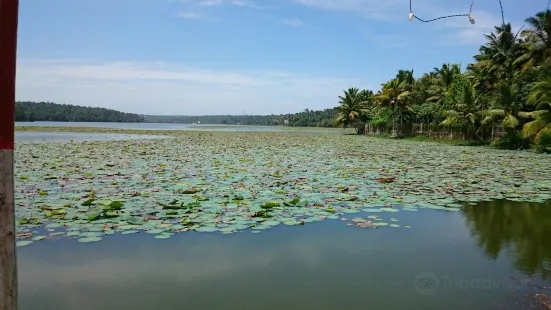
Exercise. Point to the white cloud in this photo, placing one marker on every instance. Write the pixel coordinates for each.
(380, 9)
(239, 3)
(210, 2)
(474, 34)
(293, 22)
(213, 3)
(169, 88)
(189, 15)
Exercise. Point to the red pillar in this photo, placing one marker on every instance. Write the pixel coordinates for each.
(8, 47)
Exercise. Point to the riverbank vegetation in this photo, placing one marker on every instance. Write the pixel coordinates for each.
(48, 111)
(307, 118)
(508, 85)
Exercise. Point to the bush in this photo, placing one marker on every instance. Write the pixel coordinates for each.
(543, 143)
(512, 140)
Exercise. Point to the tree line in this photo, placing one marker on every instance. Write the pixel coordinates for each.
(307, 118)
(26, 111)
(509, 83)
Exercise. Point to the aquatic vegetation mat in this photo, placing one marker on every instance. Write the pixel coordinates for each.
(230, 182)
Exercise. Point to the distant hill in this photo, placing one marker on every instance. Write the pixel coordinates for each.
(308, 118)
(48, 111)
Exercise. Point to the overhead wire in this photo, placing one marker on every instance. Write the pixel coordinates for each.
(412, 15)
(502, 15)
(471, 18)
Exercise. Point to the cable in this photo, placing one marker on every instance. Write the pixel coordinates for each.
(442, 17)
(502, 16)
(412, 16)
(471, 18)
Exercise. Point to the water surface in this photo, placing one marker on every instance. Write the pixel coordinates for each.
(469, 256)
(35, 136)
(196, 127)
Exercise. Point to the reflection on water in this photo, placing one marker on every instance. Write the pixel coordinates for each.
(324, 265)
(523, 230)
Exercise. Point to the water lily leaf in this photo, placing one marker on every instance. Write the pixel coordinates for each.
(87, 202)
(116, 205)
(206, 229)
(372, 210)
(53, 225)
(163, 236)
(89, 239)
(90, 234)
(156, 231)
(270, 204)
(94, 216)
(23, 243)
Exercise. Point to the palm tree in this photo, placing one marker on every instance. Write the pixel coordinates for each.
(480, 77)
(444, 78)
(464, 110)
(447, 73)
(540, 97)
(536, 40)
(353, 109)
(395, 94)
(500, 52)
(507, 109)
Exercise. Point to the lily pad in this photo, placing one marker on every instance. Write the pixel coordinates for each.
(89, 239)
(23, 243)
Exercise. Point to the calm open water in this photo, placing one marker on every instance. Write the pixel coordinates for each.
(199, 127)
(37, 136)
(447, 260)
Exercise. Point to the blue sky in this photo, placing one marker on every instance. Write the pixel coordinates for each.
(237, 56)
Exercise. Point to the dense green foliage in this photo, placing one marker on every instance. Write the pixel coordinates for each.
(508, 84)
(48, 111)
(308, 118)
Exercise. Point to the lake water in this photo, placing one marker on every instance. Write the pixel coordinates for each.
(195, 127)
(470, 258)
(477, 258)
(33, 136)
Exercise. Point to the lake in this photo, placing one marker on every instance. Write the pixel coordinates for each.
(33, 136)
(196, 127)
(279, 220)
